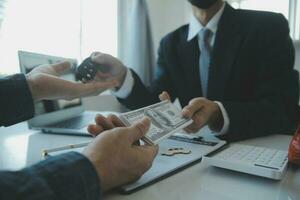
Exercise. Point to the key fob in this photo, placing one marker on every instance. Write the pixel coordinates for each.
(88, 69)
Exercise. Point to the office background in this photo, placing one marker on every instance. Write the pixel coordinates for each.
(168, 15)
(70, 25)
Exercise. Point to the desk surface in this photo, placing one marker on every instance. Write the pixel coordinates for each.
(20, 147)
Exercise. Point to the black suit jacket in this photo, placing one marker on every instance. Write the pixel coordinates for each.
(68, 176)
(251, 73)
(16, 103)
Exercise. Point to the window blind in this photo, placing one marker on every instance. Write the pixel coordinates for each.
(1, 11)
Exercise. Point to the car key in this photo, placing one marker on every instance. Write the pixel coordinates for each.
(88, 69)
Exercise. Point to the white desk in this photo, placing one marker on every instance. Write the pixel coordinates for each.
(20, 147)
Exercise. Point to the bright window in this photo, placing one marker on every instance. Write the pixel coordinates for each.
(289, 8)
(65, 28)
(1, 11)
(280, 6)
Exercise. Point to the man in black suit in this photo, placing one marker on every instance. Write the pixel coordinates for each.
(231, 69)
(109, 161)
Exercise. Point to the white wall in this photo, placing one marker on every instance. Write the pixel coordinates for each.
(166, 16)
(1, 11)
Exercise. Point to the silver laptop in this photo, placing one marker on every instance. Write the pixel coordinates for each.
(59, 116)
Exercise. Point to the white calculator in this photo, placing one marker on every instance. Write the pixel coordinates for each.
(265, 162)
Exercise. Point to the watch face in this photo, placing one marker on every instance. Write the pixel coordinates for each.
(203, 4)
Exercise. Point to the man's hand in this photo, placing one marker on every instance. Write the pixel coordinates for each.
(116, 69)
(45, 83)
(116, 159)
(104, 124)
(112, 121)
(164, 96)
(203, 112)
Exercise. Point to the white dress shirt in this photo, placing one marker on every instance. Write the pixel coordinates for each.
(194, 28)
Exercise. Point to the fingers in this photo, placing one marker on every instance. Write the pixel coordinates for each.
(110, 122)
(104, 124)
(199, 120)
(195, 111)
(164, 96)
(53, 87)
(116, 121)
(95, 54)
(102, 76)
(61, 67)
(138, 130)
(100, 58)
(93, 88)
(194, 106)
(95, 129)
(149, 153)
(193, 128)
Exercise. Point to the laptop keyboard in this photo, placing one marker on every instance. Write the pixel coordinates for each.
(78, 122)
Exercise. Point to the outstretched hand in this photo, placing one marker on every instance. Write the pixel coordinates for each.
(115, 157)
(112, 121)
(202, 111)
(115, 69)
(104, 123)
(45, 84)
(164, 96)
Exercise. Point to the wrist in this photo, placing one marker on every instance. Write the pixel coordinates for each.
(101, 169)
(103, 175)
(217, 121)
(122, 77)
(33, 87)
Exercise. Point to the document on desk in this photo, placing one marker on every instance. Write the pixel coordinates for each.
(166, 119)
(165, 166)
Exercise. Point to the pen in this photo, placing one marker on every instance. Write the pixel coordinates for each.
(45, 152)
(194, 140)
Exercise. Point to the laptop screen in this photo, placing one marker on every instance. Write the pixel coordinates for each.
(29, 61)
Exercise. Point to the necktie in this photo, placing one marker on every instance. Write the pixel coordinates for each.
(205, 55)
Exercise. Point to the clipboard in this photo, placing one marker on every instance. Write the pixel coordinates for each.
(163, 166)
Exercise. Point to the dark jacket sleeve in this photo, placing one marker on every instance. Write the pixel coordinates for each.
(16, 103)
(141, 95)
(274, 108)
(68, 176)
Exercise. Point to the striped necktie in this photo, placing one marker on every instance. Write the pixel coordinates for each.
(205, 58)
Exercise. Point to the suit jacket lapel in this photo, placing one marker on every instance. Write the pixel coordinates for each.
(224, 53)
(189, 53)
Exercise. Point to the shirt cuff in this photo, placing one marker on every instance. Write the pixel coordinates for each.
(226, 120)
(124, 91)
